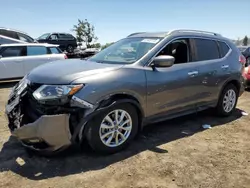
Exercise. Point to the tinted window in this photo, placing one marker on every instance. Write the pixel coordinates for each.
(12, 51)
(65, 36)
(36, 50)
(24, 37)
(55, 50)
(223, 48)
(205, 49)
(8, 33)
(53, 37)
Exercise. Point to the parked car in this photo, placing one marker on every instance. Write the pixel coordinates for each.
(8, 40)
(15, 34)
(245, 50)
(64, 40)
(16, 60)
(109, 98)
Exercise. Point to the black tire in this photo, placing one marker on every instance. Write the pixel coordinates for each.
(220, 109)
(70, 49)
(92, 133)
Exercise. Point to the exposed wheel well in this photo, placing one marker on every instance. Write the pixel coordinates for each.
(235, 83)
(134, 102)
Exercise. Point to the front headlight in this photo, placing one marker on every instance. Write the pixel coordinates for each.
(47, 92)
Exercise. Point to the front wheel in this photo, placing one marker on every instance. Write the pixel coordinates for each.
(113, 129)
(228, 100)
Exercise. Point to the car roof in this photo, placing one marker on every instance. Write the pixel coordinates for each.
(15, 30)
(30, 44)
(178, 32)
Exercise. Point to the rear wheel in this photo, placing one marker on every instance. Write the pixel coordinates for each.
(112, 130)
(228, 100)
(70, 48)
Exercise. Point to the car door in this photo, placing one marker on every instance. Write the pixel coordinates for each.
(174, 89)
(213, 67)
(11, 62)
(35, 56)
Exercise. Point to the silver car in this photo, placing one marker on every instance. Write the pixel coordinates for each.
(141, 79)
(16, 60)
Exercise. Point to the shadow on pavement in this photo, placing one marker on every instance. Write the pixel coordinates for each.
(14, 158)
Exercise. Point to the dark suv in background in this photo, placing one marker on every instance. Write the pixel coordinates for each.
(65, 41)
(15, 34)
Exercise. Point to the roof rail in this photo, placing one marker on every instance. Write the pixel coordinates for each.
(135, 34)
(193, 31)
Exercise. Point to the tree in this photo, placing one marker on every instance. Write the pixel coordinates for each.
(107, 45)
(238, 41)
(245, 41)
(95, 45)
(85, 32)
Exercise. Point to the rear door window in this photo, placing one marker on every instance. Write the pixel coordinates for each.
(36, 50)
(223, 48)
(205, 49)
(13, 51)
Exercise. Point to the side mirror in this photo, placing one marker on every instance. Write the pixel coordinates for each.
(1, 56)
(163, 61)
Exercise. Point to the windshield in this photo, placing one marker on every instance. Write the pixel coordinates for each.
(126, 51)
(44, 36)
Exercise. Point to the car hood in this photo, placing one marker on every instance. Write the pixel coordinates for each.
(66, 71)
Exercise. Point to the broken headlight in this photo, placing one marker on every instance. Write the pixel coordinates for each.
(47, 92)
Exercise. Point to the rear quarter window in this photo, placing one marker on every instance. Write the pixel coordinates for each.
(224, 49)
(205, 49)
(54, 50)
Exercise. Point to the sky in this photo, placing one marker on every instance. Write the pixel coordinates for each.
(115, 19)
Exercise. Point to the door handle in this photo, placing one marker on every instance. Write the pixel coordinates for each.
(193, 73)
(224, 66)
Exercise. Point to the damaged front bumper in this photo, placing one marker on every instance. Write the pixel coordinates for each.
(48, 133)
(42, 127)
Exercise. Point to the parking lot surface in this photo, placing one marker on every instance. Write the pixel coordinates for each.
(175, 153)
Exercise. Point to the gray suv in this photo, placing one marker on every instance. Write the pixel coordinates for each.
(141, 79)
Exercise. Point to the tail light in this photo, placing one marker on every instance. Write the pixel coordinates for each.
(242, 60)
(65, 56)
